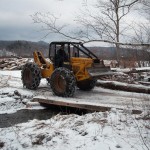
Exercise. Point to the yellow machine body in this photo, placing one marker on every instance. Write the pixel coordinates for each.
(79, 66)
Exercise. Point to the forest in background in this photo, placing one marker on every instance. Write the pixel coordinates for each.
(26, 49)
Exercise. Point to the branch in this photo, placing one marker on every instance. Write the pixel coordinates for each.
(119, 43)
(128, 5)
(49, 21)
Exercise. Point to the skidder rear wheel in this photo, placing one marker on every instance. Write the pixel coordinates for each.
(62, 82)
(31, 76)
(86, 85)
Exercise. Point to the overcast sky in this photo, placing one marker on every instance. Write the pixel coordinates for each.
(16, 22)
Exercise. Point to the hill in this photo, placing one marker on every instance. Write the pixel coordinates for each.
(22, 48)
(26, 49)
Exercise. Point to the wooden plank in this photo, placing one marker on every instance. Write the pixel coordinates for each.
(71, 104)
(75, 104)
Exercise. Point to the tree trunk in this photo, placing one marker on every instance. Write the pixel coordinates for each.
(117, 32)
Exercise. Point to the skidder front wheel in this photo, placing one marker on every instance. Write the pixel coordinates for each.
(62, 82)
(31, 76)
(86, 85)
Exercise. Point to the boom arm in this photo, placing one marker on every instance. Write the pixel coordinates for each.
(46, 67)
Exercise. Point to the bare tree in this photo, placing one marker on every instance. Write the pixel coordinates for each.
(142, 30)
(142, 33)
(105, 23)
(146, 8)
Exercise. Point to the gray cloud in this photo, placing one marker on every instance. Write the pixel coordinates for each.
(16, 22)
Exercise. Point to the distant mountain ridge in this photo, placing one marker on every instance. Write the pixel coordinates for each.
(26, 49)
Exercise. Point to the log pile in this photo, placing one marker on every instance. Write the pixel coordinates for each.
(12, 63)
(120, 77)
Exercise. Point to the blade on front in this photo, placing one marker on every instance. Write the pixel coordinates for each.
(99, 71)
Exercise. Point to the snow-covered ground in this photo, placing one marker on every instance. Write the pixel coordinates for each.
(104, 130)
(116, 129)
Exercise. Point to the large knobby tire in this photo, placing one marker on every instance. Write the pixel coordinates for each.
(31, 76)
(62, 82)
(86, 85)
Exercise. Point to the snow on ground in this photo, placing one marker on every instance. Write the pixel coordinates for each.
(102, 130)
(13, 96)
(116, 129)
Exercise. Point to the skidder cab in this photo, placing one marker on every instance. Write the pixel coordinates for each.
(70, 64)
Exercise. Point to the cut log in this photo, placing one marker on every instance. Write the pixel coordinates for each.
(133, 70)
(144, 83)
(4, 65)
(13, 68)
(124, 86)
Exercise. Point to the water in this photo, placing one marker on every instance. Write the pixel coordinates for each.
(24, 115)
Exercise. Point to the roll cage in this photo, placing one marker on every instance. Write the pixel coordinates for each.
(72, 49)
(78, 45)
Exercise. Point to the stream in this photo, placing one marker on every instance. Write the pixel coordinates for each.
(24, 115)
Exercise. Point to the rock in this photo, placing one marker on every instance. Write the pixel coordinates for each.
(78, 123)
(16, 97)
(5, 93)
(118, 146)
(24, 101)
(38, 139)
(17, 93)
(25, 145)
(84, 133)
(114, 110)
(1, 144)
(10, 95)
(123, 118)
(2, 104)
